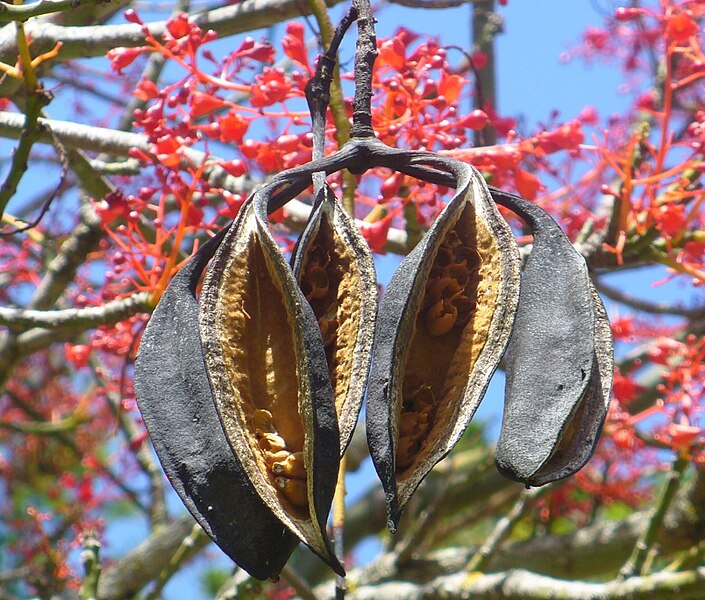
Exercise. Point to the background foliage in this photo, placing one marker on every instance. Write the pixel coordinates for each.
(155, 148)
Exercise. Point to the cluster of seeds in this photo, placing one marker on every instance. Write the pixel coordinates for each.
(319, 285)
(286, 468)
(414, 422)
(446, 304)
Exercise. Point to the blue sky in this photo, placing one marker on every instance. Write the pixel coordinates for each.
(533, 80)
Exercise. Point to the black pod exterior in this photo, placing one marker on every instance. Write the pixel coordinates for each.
(176, 402)
(558, 361)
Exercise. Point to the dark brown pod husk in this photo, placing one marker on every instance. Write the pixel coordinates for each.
(335, 270)
(558, 361)
(176, 402)
(443, 325)
(265, 360)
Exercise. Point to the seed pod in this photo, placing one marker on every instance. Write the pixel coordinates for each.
(175, 398)
(432, 362)
(334, 267)
(558, 361)
(267, 367)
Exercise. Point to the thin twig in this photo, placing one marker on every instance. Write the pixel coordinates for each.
(69, 443)
(337, 101)
(339, 528)
(299, 584)
(188, 547)
(437, 4)
(659, 308)
(31, 130)
(63, 161)
(318, 90)
(636, 562)
(503, 528)
(90, 558)
(143, 454)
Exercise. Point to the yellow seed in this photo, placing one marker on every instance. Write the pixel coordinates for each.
(272, 442)
(317, 278)
(406, 451)
(292, 466)
(464, 307)
(274, 457)
(294, 490)
(263, 420)
(440, 318)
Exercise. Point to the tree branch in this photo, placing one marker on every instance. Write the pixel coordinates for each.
(92, 41)
(22, 12)
(659, 308)
(486, 24)
(141, 565)
(76, 319)
(101, 139)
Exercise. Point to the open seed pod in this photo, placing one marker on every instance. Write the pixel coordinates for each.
(558, 361)
(334, 267)
(267, 366)
(176, 402)
(443, 325)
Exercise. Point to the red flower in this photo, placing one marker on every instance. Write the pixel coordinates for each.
(232, 127)
(376, 233)
(526, 183)
(202, 103)
(77, 354)
(294, 44)
(679, 28)
(123, 57)
(272, 86)
(670, 218)
(179, 26)
(392, 53)
(625, 389)
(259, 51)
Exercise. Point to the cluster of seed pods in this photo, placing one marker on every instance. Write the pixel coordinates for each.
(251, 391)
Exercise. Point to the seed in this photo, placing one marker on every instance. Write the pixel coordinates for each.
(263, 421)
(270, 442)
(292, 466)
(294, 491)
(441, 317)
